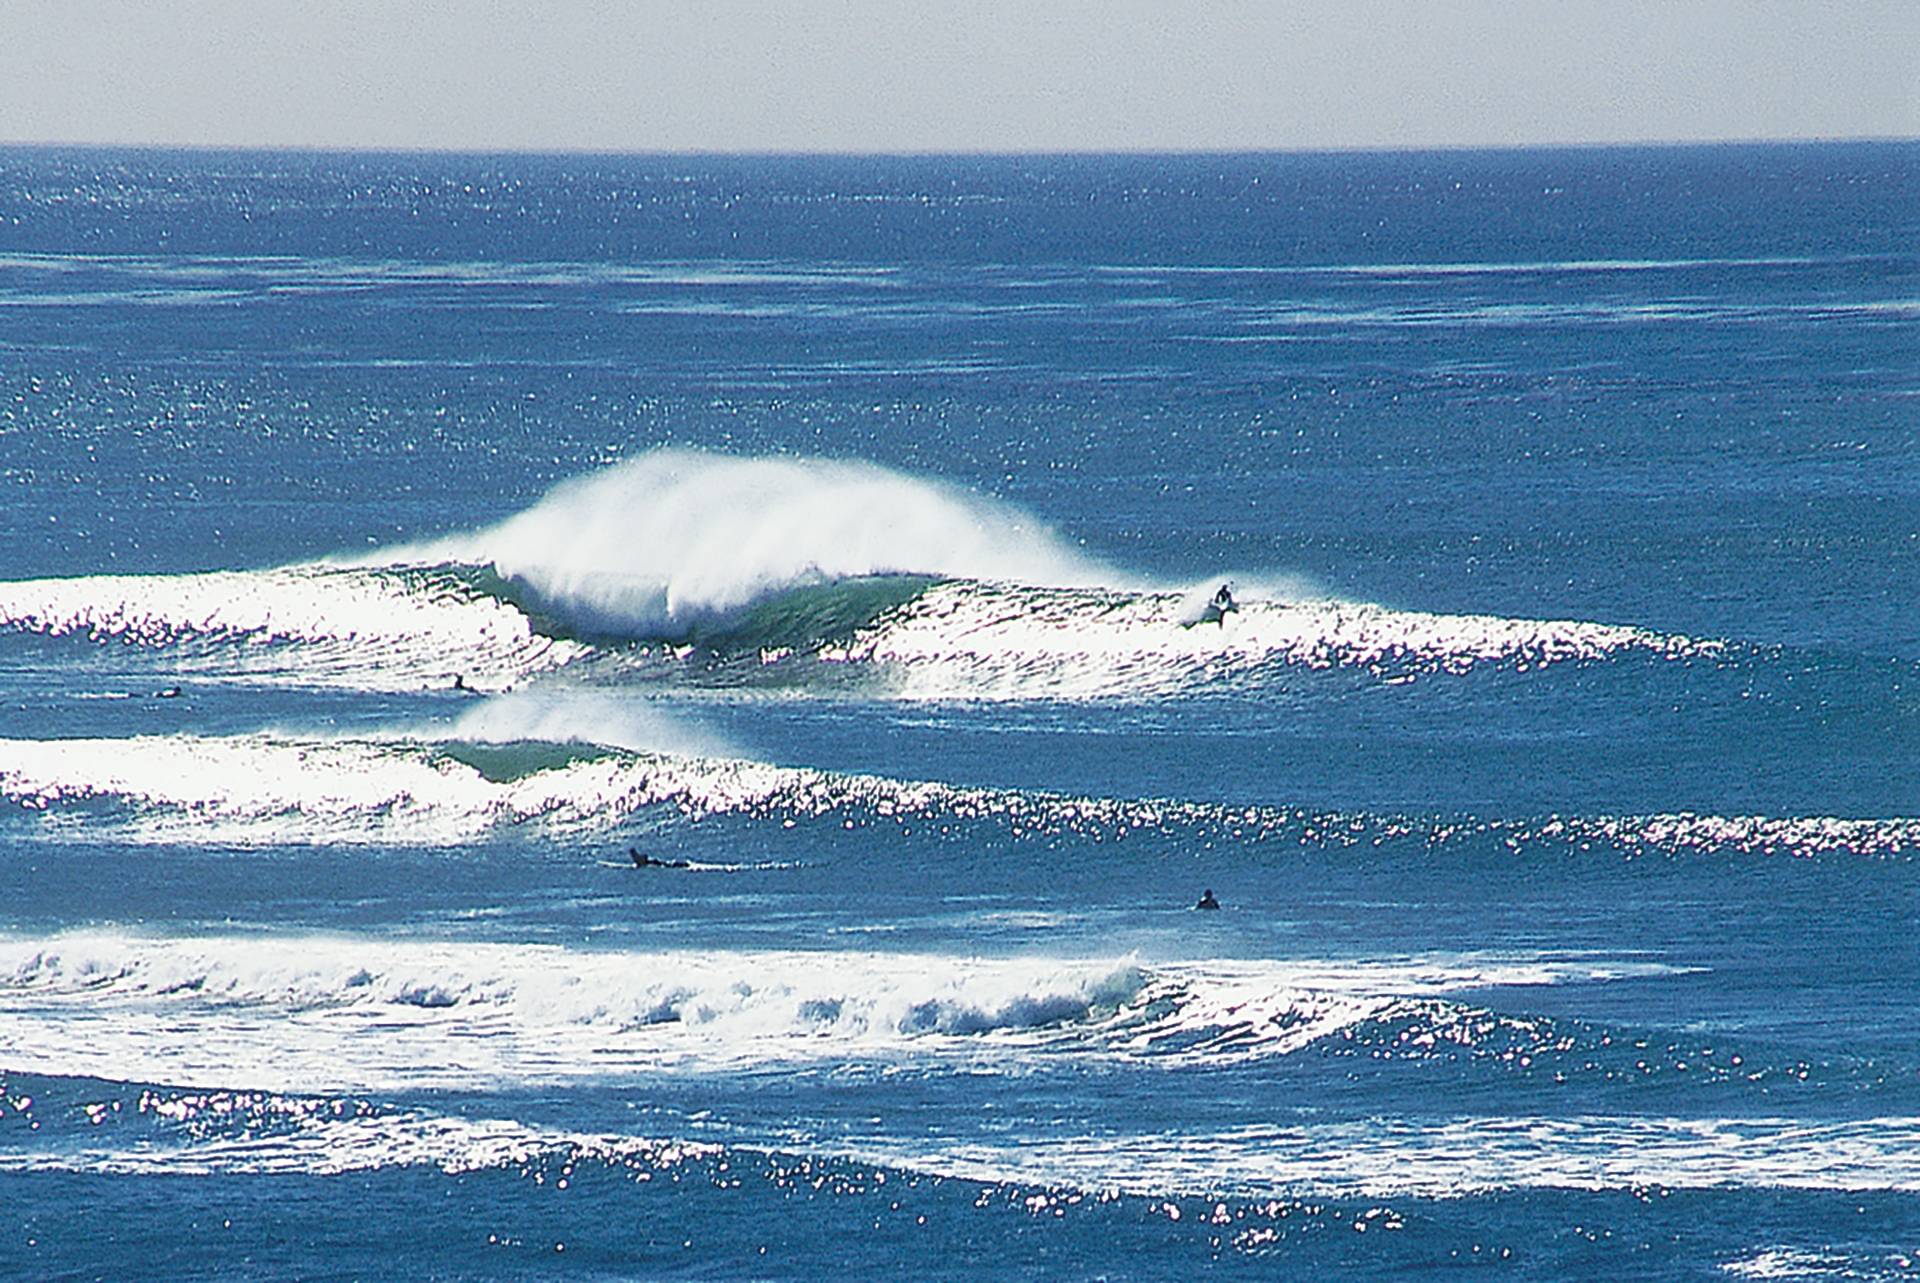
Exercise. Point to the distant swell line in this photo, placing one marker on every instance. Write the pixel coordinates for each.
(264, 789)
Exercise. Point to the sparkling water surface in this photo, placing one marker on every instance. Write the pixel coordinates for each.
(392, 543)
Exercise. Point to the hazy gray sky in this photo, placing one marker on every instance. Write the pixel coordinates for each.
(894, 75)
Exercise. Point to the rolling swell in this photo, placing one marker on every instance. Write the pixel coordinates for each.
(1220, 1186)
(1254, 1200)
(263, 789)
(404, 627)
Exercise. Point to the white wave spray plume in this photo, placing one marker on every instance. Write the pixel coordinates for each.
(679, 538)
(586, 717)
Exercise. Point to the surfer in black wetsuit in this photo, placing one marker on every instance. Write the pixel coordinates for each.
(1217, 609)
(648, 862)
(1207, 901)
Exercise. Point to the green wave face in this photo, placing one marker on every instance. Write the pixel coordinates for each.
(817, 614)
(505, 763)
(813, 614)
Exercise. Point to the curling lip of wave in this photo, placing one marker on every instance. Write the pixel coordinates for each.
(935, 592)
(675, 539)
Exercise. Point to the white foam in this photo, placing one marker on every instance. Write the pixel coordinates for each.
(1006, 641)
(282, 1014)
(1789, 1261)
(358, 1013)
(304, 625)
(258, 1133)
(243, 1132)
(270, 1027)
(254, 789)
(583, 716)
(1408, 1155)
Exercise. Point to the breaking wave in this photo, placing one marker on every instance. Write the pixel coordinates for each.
(699, 570)
(362, 629)
(984, 641)
(401, 629)
(261, 789)
(282, 1013)
(270, 1031)
(677, 539)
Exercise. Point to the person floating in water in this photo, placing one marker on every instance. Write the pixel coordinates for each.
(1207, 901)
(648, 862)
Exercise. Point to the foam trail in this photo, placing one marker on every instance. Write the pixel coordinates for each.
(260, 1133)
(1459, 1157)
(677, 538)
(199, 1133)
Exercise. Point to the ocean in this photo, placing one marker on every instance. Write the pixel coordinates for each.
(667, 717)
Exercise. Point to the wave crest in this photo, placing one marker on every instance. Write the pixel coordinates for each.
(263, 789)
(677, 540)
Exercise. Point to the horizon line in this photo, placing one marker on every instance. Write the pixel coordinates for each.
(931, 153)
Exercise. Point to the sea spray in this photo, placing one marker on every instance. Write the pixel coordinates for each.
(585, 716)
(677, 539)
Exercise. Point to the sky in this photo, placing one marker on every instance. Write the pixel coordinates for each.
(924, 76)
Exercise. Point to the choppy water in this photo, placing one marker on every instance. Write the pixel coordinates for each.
(392, 543)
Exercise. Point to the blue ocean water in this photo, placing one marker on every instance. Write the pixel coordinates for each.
(391, 544)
